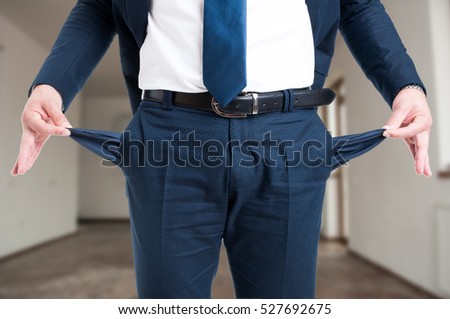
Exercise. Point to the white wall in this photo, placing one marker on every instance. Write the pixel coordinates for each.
(42, 205)
(102, 189)
(393, 212)
(439, 17)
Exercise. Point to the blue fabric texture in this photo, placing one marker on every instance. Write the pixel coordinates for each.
(105, 144)
(224, 49)
(108, 144)
(351, 146)
(265, 203)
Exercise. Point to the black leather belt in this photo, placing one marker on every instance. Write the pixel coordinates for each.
(248, 103)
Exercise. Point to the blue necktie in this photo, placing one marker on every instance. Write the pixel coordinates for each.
(224, 49)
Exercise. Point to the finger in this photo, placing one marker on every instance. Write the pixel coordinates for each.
(397, 118)
(421, 153)
(26, 146)
(412, 149)
(427, 171)
(35, 152)
(29, 152)
(14, 170)
(411, 130)
(30, 148)
(38, 125)
(22, 164)
(58, 117)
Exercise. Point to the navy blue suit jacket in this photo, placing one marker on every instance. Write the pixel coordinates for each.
(92, 25)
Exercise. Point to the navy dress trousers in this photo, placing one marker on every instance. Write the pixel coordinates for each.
(194, 178)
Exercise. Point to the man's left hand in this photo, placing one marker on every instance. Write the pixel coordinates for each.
(411, 120)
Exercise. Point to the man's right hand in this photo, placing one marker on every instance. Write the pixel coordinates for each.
(41, 118)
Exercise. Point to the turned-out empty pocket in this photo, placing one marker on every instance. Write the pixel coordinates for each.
(105, 144)
(108, 145)
(347, 147)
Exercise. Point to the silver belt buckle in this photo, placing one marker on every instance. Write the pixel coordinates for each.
(216, 108)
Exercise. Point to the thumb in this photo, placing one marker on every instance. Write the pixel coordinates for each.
(66, 124)
(58, 118)
(395, 121)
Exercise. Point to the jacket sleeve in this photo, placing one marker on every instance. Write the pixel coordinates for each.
(82, 42)
(377, 47)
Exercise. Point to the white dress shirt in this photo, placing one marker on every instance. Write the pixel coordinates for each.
(280, 49)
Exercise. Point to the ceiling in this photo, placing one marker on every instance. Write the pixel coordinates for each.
(42, 20)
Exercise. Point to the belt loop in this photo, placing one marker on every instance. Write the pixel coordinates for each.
(289, 100)
(168, 100)
(286, 100)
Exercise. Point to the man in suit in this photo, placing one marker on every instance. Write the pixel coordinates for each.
(267, 215)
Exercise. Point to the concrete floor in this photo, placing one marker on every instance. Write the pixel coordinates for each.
(97, 263)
